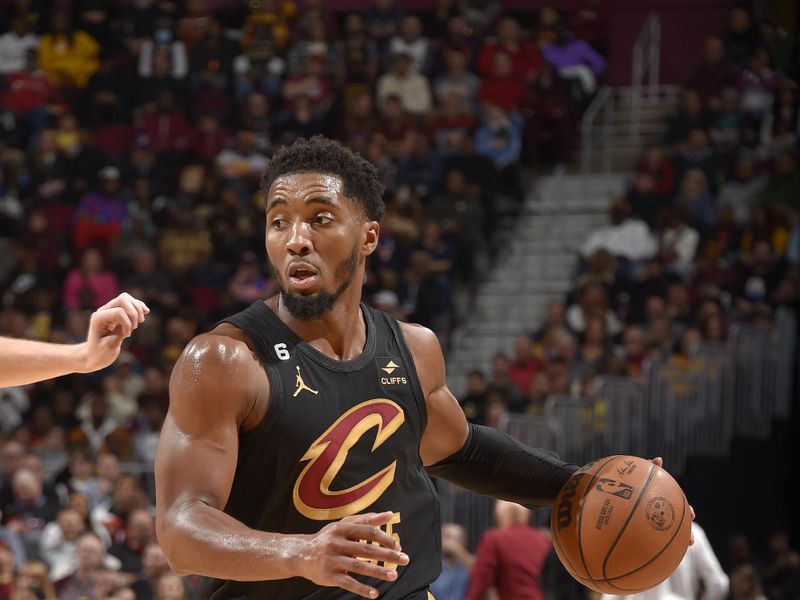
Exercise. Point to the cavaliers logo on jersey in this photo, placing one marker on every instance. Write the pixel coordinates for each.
(312, 494)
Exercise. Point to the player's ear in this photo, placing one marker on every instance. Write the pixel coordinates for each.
(372, 230)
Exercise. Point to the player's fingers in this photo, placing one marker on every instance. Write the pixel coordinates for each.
(130, 310)
(362, 567)
(358, 532)
(658, 461)
(115, 320)
(144, 307)
(125, 299)
(377, 519)
(375, 553)
(124, 302)
(346, 582)
(139, 306)
(116, 301)
(123, 319)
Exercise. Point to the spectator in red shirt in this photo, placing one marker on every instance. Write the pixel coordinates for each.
(525, 365)
(510, 557)
(714, 74)
(208, 139)
(634, 346)
(591, 21)
(454, 122)
(26, 94)
(99, 216)
(397, 128)
(313, 84)
(550, 122)
(655, 164)
(502, 88)
(167, 127)
(28, 89)
(525, 58)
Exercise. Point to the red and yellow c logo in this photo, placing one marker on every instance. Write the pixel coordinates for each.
(312, 495)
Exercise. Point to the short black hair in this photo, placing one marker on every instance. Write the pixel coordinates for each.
(322, 155)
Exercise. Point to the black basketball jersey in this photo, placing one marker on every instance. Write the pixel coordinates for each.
(339, 438)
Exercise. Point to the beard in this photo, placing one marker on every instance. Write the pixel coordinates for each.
(312, 306)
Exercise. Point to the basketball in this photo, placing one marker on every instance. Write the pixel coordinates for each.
(621, 525)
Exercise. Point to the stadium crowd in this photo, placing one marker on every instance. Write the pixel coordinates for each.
(132, 139)
(705, 235)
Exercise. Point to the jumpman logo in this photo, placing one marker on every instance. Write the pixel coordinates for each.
(301, 385)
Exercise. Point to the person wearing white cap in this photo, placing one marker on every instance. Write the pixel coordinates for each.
(28, 361)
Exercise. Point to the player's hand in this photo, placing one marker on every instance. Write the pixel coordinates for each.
(338, 550)
(659, 462)
(109, 326)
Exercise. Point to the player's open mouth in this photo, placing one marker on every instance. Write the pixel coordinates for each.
(302, 275)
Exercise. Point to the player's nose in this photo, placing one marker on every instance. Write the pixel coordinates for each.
(299, 242)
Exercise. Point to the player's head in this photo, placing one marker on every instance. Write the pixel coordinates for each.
(324, 206)
(453, 536)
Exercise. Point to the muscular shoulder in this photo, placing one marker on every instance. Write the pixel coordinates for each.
(217, 375)
(420, 338)
(427, 353)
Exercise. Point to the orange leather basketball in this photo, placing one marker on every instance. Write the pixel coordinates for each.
(621, 525)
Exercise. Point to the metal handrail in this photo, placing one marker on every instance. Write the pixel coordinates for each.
(644, 86)
(601, 101)
(646, 62)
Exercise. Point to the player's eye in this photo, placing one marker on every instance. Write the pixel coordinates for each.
(322, 220)
(278, 224)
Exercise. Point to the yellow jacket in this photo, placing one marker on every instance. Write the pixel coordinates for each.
(69, 65)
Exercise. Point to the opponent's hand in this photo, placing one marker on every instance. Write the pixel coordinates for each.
(108, 327)
(659, 462)
(338, 549)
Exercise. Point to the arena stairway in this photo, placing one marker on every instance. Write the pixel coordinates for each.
(537, 266)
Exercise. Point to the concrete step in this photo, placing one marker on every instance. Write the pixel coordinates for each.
(577, 206)
(622, 127)
(528, 288)
(536, 267)
(549, 183)
(587, 188)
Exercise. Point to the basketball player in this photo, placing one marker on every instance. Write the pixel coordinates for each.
(293, 418)
(28, 361)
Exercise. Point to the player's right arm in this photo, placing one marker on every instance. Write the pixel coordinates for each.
(214, 388)
(27, 361)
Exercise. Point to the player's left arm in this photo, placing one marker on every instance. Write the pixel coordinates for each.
(481, 459)
(28, 361)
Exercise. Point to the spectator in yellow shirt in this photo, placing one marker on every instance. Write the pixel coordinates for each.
(68, 57)
(278, 15)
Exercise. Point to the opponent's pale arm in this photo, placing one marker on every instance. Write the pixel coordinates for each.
(211, 388)
(27, 361)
